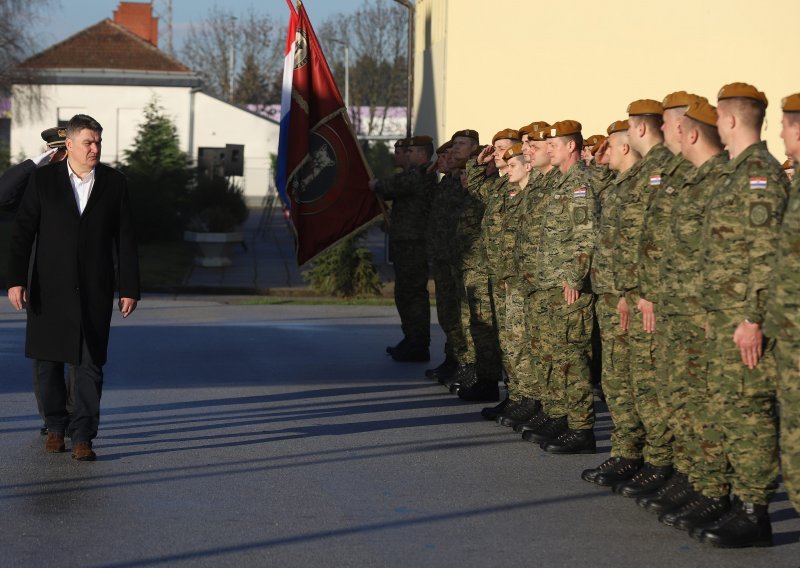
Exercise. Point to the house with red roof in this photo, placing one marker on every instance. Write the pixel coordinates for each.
(112, 71)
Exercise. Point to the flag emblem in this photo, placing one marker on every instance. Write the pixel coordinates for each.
(758, 183)
(655, 180)
(580, 192)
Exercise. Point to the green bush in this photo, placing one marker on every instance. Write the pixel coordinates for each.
(216, 205)
(346, 270)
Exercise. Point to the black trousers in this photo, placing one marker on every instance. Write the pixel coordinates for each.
(78, 405)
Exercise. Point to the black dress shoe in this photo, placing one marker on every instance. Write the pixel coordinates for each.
(481, 391)
(612, 471)
(391, 348)
(747, 524)
(674, 494)
(572, 442)
(646, 481)
(696, 513)
(550, 430)
(526, 409)
(492, 412)
(412, 352)
(533, 424)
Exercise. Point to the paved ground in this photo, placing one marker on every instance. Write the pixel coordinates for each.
(283, 436)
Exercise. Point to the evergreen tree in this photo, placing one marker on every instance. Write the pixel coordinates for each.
(251, 84)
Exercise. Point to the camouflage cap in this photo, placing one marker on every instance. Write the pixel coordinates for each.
(703, 111)
(467, 134)
(791, 103)
(645, 106)
(680, 99)
(507, 134)
(593, 140)
(513, 152)
(617, 126)
(564, 128)
(741, 90)
(533, 127)
(444, 147)
(419, 141)
(55, 137)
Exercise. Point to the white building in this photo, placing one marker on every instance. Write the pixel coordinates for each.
(111, 71)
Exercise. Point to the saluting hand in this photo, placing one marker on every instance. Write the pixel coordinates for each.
(126, 306)
(750, 341)
(18, 297)
(486, 155)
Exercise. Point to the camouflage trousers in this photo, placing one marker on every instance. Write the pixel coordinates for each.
(534, 311)
(448, 309)
(477, 315)
(683, 370)
(514, 345)
(627, 436)
(788, 356)
(565, 339)
(411, 289)
(741, 416)
(657, 449)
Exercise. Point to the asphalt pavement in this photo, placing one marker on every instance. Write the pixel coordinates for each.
(282, 435)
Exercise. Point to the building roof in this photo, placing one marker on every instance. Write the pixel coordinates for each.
(105, 45)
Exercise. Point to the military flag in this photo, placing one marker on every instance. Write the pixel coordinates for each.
(322, 176)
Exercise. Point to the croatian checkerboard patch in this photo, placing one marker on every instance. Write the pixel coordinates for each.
(758, 183)
(655, 180)
(580, 192)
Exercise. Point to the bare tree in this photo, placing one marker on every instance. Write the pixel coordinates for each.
(16, 39)
(377, 37)
(224, 46)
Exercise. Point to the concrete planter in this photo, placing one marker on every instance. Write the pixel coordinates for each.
(213, 249)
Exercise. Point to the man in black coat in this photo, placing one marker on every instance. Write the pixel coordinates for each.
(78, 214)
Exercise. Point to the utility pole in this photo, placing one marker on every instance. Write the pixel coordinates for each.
(346, 70)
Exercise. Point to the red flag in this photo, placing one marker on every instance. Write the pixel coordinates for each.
(327, 181)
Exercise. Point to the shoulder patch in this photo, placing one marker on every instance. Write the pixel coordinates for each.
(758, 183)
(760, 214)
(580, 215)
(655, 180)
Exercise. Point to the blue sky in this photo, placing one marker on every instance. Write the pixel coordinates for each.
(66, 17)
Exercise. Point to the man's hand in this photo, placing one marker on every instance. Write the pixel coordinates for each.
(624, 313)
(486, 155)
(648, 315)
(571, 295)
(600, 155)
(750, 341)
(18, 297)
(126, 306)
(431, 168)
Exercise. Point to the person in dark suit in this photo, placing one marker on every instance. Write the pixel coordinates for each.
(77, 213)
(12, 185)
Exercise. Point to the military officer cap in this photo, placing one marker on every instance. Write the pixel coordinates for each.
(403, 142)
(645, 107)
(513, 152)
(564, 128)
(541, 135)
(419, 141)
(617, 126)
(55, 137)
(679, 99)
(742, 90)
(533, 128)
(593, 140)
(444, 147)
(791, 103)
(506, 134)
(468, 134)
(702, 111)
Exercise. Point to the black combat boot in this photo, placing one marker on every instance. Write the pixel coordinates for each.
(480, 391)
(533, 424)
(467, 381)
(675, 493)
(447, 368)
(412, 352)
(572, 442)
(550, 430)
(526, 409)
(464, 372)
(390, 348)
(647, 481)
(746, 524)
(698, 512)
(492, 412)
(612, 471)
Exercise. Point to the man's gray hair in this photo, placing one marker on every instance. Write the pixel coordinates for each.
(80, 122)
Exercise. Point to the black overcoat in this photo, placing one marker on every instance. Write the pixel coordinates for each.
(72, 281)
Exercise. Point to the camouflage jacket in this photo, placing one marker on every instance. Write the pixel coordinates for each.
(656, 226)
(514, 200)
(783, 307)
(740, 232)
(410, 194)
(446, 199)
(681, 262)
(610, 206)
(566, 232)
(468, 234)
(497, 204)
(635, 203)
(526, 240)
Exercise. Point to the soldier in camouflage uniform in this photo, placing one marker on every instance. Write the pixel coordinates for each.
(740, 237)
(783, 313)
(562, 299)
(644, 134)
(441, 228)
(627, 437)
(683, 320)
(409, 192)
